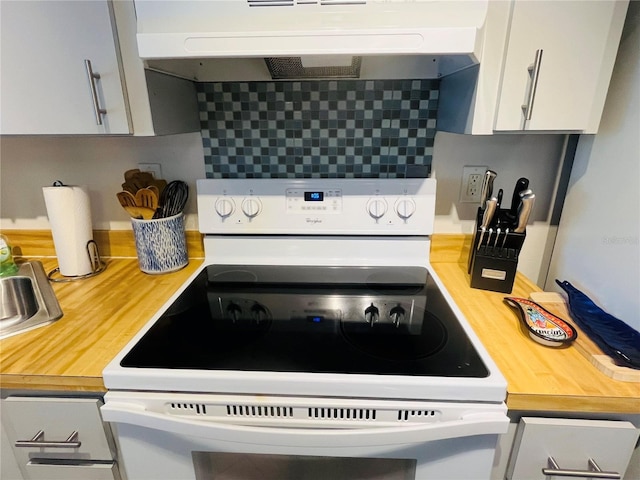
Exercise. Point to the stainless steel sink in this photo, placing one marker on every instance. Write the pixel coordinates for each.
(28, 301)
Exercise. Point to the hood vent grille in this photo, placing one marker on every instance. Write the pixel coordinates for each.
(290, 68)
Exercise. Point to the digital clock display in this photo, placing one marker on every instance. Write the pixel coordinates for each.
(313, 196)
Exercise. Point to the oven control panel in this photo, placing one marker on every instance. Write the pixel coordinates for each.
(304, 202)
(395, 206)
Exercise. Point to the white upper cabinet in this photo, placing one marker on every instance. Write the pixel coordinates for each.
(46, 86)
(545, 67)
(559, 60)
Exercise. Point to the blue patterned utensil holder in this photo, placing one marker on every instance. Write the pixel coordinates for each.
(161, 244)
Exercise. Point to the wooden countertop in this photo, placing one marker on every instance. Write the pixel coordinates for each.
(101, 314)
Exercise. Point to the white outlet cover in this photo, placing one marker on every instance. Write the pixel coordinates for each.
(467, 171)
(154, 168)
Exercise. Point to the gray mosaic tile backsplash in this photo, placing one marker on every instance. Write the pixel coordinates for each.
(330, 128)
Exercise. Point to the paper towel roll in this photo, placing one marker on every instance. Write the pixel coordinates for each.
(69, 214)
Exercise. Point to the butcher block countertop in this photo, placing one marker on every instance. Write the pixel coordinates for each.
(103, 313)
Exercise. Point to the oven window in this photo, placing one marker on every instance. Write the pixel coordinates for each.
(240, 466)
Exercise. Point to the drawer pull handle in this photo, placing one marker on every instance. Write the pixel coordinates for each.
(594, 471)
(38, 441)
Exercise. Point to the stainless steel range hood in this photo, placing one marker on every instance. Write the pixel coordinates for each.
(399, 38)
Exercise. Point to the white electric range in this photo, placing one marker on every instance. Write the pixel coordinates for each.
(315, 338)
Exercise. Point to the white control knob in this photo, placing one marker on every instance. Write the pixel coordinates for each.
(225, 207)
(251, 207)
(405, 208)
(377, 207)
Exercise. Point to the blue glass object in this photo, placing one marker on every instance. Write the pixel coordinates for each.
(614, 337)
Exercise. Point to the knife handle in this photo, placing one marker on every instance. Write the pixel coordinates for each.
(524, 212)
(487, 186)
(521, 185)
(487, 216)
(489, 210)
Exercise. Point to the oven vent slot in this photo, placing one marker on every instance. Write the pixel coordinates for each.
(189, 408)
(259, 411)
(418, 415)
(342, 413)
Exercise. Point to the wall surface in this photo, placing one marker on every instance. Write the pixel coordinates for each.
(599, 232)
(536, 157)
(29, 163)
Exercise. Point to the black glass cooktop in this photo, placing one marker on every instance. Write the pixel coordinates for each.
(310, 319)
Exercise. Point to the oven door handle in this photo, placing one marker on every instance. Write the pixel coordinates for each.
(469, 425)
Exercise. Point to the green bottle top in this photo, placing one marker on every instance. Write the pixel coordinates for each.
(7, 265)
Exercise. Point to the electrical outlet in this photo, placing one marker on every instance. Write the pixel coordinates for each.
(471, 183)
(154, 168)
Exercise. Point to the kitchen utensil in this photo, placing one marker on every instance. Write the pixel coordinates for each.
(513, 219)
(495, 242)
(160, 184)
(155, 191)
(521, 185)
(541, 325)
(147, 198)
(524, 211)
(129, 174)
(487, 186)
(134, 180)
(489, 209)
(497, 217)
(128, 202)
(172, 199)
(127, 199)
(504, 239)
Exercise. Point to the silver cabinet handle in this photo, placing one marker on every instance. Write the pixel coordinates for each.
(38, 441)
(594, 471)
(94, 92)
(534, 71)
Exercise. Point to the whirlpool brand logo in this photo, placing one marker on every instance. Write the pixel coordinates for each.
(313, 220)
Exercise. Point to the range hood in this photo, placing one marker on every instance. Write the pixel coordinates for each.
(183, 36)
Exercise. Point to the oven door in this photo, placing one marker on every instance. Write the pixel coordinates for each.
(158, 444)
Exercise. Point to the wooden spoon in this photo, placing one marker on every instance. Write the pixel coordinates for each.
(128, 202)
(145, 197)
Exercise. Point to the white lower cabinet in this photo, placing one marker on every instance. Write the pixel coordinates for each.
(59, 438)
(9, 469)
(556, 448)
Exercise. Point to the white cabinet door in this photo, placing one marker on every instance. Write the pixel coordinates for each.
(45, 85)
(59, 438)
(574, 445)
(9, 469)
(576, 43)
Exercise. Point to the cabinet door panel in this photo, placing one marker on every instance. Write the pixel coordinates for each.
(23, 417)
(107, 471)
(571, 443)
(573, 38)
(45, 86)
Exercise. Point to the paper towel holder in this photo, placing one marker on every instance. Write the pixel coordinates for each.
(97, 266)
